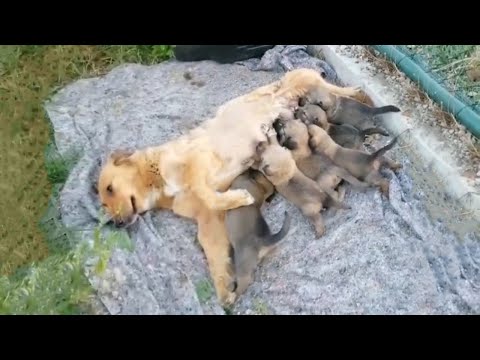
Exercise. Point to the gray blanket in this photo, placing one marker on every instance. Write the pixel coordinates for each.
(379, 257)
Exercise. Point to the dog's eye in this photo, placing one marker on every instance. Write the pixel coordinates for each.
(104, 205)
(323, 74)
(110, 189)
(134, 204)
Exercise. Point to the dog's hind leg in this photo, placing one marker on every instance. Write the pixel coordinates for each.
(312, 212)
(376, 179)
(246, 260)
(213, 237)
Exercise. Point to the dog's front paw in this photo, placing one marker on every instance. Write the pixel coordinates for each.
(247, 198)
(227, 299)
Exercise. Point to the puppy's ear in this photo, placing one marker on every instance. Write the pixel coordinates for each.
(261, 147)
(121, 157)
(290, 144)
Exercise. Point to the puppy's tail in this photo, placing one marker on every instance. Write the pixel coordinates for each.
(384, 149)
(272, 239)
(334, 203)
(374, 130)
(384, 109)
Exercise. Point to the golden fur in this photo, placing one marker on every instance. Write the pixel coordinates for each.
(191, 174)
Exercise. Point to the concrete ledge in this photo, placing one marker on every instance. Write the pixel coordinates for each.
(421, 143)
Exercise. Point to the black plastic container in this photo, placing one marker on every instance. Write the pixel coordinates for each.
(224, 54)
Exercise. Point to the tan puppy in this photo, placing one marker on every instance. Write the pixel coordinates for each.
(191, 175)
(344, 135)
(345, 110)
(248, 231)
(361, 165)
(278, 165)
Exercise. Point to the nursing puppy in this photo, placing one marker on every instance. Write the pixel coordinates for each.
(248, 231)
(345, 110)
(278, 165)
(364, 166)
(344, 135)
(294, 136)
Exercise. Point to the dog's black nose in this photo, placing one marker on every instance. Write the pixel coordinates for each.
(119, 223)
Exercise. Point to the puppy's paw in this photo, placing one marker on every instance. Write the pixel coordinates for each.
(319, 230)
(385, 190)
(319, 233)
(396, 167)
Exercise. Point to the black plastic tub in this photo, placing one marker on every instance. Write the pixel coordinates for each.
(224, 54)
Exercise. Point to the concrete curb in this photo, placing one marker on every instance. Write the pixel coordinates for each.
(424, 146)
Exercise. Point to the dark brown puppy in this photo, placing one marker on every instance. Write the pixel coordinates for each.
(343, 110)
(344, 135)
(364, 166)
(248, 232)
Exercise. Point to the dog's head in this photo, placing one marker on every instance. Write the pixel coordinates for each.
(122, 188)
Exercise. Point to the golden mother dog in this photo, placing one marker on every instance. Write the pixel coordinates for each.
(191, 175)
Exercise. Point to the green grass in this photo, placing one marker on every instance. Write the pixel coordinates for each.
(458, 66)
(35, 248)
(204, 290)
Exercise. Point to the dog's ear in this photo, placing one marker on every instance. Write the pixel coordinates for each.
(121, 157)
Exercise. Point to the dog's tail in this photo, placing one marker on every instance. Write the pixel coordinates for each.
(384, 149)
(272, 239)
(374, 130)
(384, 109)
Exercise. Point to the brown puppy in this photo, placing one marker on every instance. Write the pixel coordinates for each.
(361, 165)
(278, 165)
(294, 136)
(344, 135)
(345, 110)
(248, 231)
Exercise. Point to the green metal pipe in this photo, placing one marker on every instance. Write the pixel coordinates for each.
(461, 111)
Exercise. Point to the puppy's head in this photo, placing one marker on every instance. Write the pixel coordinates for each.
(296, 135)
(121, 188)
(312, 114)
(318, 138)
(277, 164)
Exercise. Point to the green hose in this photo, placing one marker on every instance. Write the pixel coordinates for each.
(462, 112)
